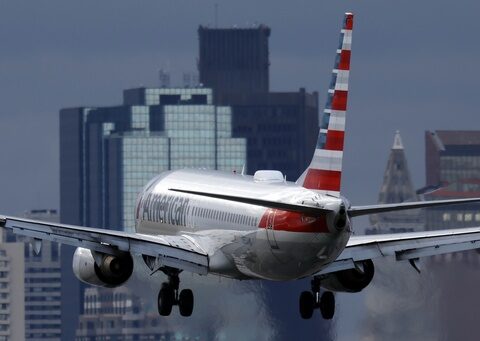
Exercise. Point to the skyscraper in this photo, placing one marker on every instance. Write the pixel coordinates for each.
(453, 165)
(12, 291)
(234, 60)
(397, 187)
(43, 282)
(280, 128)
(108, 154)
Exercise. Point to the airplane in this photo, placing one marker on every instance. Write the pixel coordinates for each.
(253, 227)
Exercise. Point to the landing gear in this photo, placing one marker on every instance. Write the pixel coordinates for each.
(327, 305)
(310, 300)
(169, 295)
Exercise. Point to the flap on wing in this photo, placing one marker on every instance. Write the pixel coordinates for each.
(174, 251)
(404, 246)
(356, 211)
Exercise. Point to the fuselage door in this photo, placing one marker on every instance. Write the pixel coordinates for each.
(271, 229)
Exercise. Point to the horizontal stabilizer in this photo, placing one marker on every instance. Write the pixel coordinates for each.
(356, 211)
(310, 210)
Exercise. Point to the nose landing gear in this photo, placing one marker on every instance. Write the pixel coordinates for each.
(169, 295)
(310, 300)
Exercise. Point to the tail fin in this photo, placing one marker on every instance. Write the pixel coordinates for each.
(325, 170)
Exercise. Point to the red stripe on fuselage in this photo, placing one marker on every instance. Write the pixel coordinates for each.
(293, 222)
(323, 179)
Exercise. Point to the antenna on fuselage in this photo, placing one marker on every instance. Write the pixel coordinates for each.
(243, 169)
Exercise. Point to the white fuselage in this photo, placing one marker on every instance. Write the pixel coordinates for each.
(244, 241)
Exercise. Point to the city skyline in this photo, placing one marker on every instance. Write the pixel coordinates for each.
(56, 63)
(390, 90)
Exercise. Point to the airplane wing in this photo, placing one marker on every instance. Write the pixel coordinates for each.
(354, 211)
(312, 210)
(404, 246)
(180, 252)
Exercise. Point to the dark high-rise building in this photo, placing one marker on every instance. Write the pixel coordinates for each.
(280, 128)
(234, 60)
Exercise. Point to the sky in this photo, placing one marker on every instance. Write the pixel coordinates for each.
(414, 68)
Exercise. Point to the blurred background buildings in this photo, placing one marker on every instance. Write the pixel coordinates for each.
(225, 118)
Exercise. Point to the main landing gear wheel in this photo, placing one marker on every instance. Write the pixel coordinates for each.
(307, 304)
(327, 305)
(169, 295)
(166, 299)
(185, 302)
(310, 300)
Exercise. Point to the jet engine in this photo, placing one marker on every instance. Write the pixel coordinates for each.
(350, 280)
(102, 269)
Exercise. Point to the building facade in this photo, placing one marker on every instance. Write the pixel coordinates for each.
(397, 187)
(12, 291)
(108, 154)
(118, 315)
(453, 169)
(234, 60)
(43, 281)
(281, 129)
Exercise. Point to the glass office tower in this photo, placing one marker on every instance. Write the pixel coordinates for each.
(108, 154)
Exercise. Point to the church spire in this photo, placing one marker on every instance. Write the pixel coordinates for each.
(397, 187)
(397, 141)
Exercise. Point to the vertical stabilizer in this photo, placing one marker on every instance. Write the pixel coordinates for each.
(325, 170)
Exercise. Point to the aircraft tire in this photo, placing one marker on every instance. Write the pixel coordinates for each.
(307, 304)
(166, 298)
(327, 305)
(185, 302)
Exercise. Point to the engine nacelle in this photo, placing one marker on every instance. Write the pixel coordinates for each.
(350, 280)
(109, 270)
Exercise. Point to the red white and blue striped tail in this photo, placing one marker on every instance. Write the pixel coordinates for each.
(325, 170)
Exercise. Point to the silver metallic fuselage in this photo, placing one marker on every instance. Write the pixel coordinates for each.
(244, 241)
